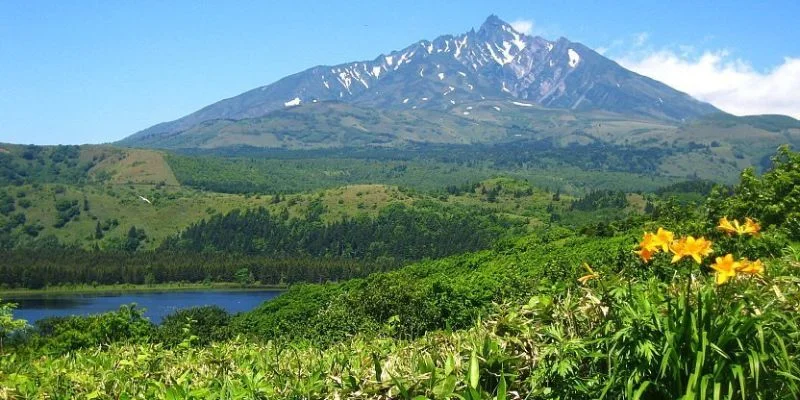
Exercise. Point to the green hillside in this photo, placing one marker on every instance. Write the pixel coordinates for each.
(91, 196)
(553, 314)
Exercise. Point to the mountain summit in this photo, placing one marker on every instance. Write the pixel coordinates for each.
(493, 63)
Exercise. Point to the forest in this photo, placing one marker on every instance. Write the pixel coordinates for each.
(274, 249)
(420, 166)
(398, 232)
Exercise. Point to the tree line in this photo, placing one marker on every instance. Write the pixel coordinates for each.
(398, 232)
(36, 269)
(256, 245)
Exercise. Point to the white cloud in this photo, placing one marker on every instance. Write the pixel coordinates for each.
(523, 26)
(731, 84)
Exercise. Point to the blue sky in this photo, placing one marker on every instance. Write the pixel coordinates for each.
(97, 71)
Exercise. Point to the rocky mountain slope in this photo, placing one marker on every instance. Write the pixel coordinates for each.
(494, 63)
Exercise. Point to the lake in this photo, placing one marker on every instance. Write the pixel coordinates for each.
(157, 304)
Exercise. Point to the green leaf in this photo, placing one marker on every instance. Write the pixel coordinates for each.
(378, 370)
(502, 388)
(474, 371)
(445, 388)
(640, 391)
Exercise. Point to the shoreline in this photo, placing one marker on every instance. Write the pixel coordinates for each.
(137, 288)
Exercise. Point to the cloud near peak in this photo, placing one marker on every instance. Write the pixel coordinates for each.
(730, 84)
(523, 26)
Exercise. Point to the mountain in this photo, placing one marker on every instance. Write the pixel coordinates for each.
(495, 63)
(334, 124)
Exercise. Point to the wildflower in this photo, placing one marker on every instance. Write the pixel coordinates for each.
(663, 238)
(726, 268)
(591, 275)
(727, 226)
(650, 242)
(750, 227)
(751, 267)
(645, 254)
(689, 246)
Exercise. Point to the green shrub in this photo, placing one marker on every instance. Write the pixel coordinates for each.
(59, 335)
(208, 324)
(773, 198)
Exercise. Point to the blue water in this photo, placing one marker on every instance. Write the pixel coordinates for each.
(157, 304)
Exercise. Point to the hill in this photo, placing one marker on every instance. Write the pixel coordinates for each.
(82, 164)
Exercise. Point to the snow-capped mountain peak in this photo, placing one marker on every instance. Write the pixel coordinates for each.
(493, 63)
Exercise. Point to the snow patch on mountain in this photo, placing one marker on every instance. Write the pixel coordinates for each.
(459, 45)
(345, 80)
(496, 58)
(574, 58)
(293, 102)
(518, 40)
(506, 52)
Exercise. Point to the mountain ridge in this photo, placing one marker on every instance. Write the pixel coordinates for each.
(495, 62)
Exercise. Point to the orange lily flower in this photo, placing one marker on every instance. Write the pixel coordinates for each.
(751, 227)
(751, 267)
(645, 254)
(650, 242)
(727, 226)
(591, 275)
(726, 268)
(663, 238)
(689, 246)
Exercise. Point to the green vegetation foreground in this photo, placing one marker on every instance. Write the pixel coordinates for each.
(703, 308)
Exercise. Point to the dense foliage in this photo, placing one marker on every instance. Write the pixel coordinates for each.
(26, 164)
(703, 307)
(773, 198)
(699, 186)
(42, 268)
(425, 167)
(598, 199)
(614, 339)
(398, 232)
